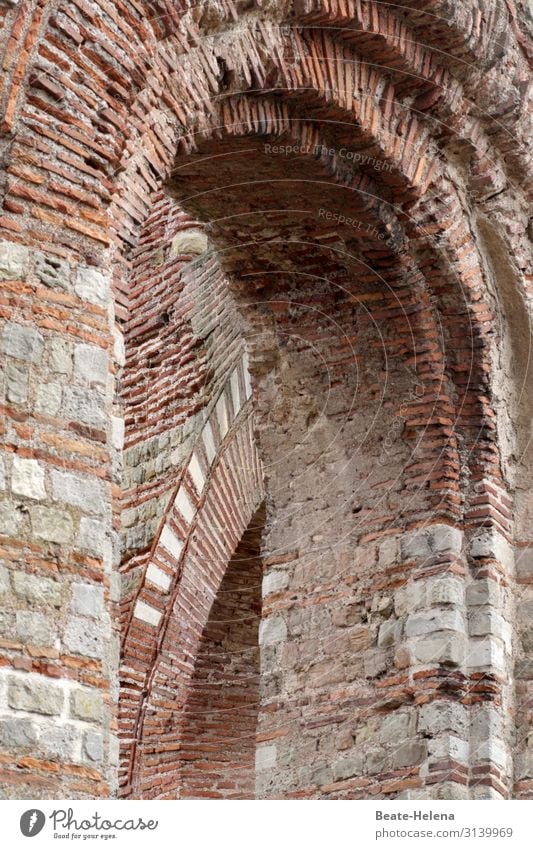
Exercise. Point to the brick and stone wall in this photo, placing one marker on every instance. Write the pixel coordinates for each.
(265, 490)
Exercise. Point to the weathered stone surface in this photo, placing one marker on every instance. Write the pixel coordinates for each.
(93, 746)
(189, 242)
(13, 259)
(60, 356)
(93, 537)
(10, 519)
(28, 478)
(272, 630)
(48, 399)
(17, 382)
(83, 637)
(18, 732)
(88, 600)
(35, 695)
(37, 589)
(389, 632)
(5, 585)
(409, 753)
(442, 716)
(79, 491)
(59, 742)
(22, 343)
(51, 524)
(52, 271)
(92, 285)
(91, 363)
(34, 627)
(441, 648)
(396, 727)
(84, 405)
(86, 704)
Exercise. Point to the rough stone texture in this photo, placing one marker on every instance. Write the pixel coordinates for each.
(281, 265)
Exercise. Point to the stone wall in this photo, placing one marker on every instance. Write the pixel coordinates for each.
(265, 255)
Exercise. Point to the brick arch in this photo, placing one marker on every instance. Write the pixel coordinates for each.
(221, 488)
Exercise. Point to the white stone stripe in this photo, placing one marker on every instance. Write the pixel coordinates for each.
(170, 542)
(183, 504)
(209, 442)
(246, 373)
(222, 415)
(156, 576)
(235, 393)
(146, 613)
(195, 471)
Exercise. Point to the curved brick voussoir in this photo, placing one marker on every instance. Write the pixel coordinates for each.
(219, 492)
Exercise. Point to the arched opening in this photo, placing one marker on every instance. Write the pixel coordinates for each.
(218, 738)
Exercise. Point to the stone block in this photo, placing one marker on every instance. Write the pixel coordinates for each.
(17, 377)
(52, 272)
(390, 632)
(486, 622)
(275, 581)
(443, 539)
(93, 286)
(14, 258)
(88, 600)
(18, 732)
(265, 758)
(191, 241)
(22, 343)
(83, 637)
(441, 716)
(409, 753)
(397, 726)
(434, 620)
(4, 580)
(348, 766)
(93, 537)
(484, 591)
(2, 474)
(445, 590)
(48, 399)
(35, 695)
(93, 746)
(448, 747)
(87, 705)
(443, 648)
(84, 405)
(33, 588)
(91, 364)
(415, 546)
(490, 544)
(375, 761)
(34, 628)
(60, 741)
(28, 478)
(272, 630)
(10, 519)
(51, 524)
(60, 356)
(487, 652)
(79, 491)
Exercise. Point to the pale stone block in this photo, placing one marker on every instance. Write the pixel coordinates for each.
(117, 432)
(88, 600)
(85, 405)
(156, 576)
(87, 704)
(484, 591)
(19, 732)
(274, 582)
(93, 537)
(91, 363)
(390, 632)
(36, 589)
(93, 746)
(409, 753)
(35, 628)
(443, 538)
(183, 504)
(448, 746)
(440, 648)
(265, 758)
(490, 750)
(482, 622)
(34, 694)
(397, 726)
(171, 542)
(147, 613)
(83, 637)
(191, 241)
(4, 580)
(60, 356)
(93, 286)
(445, 590)
(246, 375)
(10, 519)
(14, 258)
(28, 478)
(51, 524)
(60, 741)
(488, 652)
(48, 399)
(221, 411)
(272, 630)
(85, 493)
(17, 381)
(435, 620)
(209, 442)
(490, 543)
(440, 716)
(196, 473)
(235, 393)
(22, 343)
(349, 766)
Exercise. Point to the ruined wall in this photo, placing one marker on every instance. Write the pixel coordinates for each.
(265, 256)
